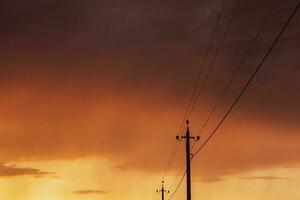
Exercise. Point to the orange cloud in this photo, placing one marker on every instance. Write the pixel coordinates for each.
(75, 117)
(46, 125)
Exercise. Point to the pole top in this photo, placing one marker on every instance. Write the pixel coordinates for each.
(187, 125)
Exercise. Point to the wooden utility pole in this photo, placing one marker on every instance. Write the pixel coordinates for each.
(162, 190)
(187, 138)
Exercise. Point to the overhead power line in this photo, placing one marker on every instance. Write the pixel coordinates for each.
(180, 182)
(175, 146)
(171, 159)
(214, 59)
(182, 169)
(202, 66)
(240, 64)
(251, 78)
(190, 105)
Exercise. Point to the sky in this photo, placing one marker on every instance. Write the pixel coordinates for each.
(93, 94)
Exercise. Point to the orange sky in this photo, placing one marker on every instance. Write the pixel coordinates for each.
(92, 96)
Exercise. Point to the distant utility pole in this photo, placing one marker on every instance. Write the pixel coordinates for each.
(162, 190)
(187, 138)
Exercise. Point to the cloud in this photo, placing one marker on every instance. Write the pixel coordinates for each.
(264, 178)
(13, 171)
(122, 167)
(91, 192)
(209, 179)
(87, 85)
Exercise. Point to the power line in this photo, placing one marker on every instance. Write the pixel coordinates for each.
(251, 78)
(174, 150)
(240, 64)
(245, 87)
(182, 169)
(178, 186)
(171, 159)
(211, 41)
(214, 58)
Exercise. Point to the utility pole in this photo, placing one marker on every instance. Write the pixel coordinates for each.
(162, 190)
(187, 138)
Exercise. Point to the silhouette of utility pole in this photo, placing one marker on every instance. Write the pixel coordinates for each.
(187, 138)
(162, 190)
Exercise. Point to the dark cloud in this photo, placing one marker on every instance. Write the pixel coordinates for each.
(91, 192)
(264, 178)
(82, 78)
(210, 179)
(13, 171)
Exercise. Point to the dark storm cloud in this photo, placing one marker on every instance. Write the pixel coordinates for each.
(154, 34)
(166, 31)
(13, 171)
(96, 25)
(66, 63)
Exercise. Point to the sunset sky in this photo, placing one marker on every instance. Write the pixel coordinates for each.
(93, 94)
